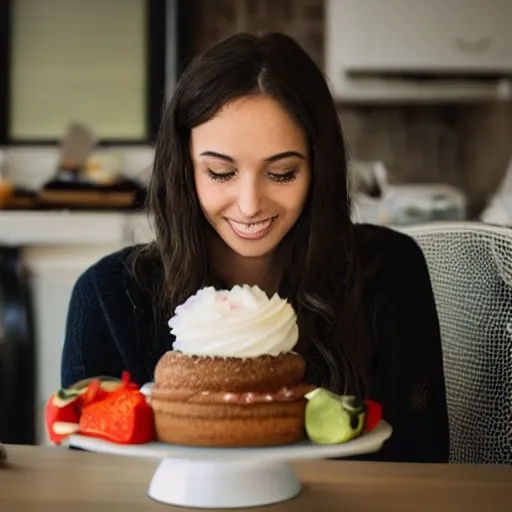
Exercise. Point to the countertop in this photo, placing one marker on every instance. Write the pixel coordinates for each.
(50, 479)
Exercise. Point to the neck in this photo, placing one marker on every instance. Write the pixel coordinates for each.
(233, 269)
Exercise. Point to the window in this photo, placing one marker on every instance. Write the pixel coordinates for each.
(103, 62)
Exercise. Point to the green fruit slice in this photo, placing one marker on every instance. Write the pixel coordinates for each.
(333, 419)
(67, 394)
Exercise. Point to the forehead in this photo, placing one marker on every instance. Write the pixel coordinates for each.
(250, 126)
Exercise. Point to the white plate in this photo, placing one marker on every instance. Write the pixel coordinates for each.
(367, 443)
(231, 477)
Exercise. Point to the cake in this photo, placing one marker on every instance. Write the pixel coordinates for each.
(232, 378)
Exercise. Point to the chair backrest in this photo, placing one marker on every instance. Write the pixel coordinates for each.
(470, 267)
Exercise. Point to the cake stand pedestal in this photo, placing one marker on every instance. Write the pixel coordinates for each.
(230, 477)
(230, 484)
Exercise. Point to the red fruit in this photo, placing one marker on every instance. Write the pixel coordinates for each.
(123, 417)
(58, 410)
(121, 413)
(373, 415)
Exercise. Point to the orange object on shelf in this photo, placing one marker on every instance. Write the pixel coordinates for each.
(6, 192)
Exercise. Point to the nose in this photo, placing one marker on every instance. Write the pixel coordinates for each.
(250, 198)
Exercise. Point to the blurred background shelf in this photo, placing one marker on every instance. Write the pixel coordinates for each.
(31, 228)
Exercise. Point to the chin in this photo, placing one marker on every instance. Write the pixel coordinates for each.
(251, 248)
(252, 252)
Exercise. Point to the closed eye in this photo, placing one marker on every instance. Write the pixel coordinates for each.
(220, 176)
(287, 177)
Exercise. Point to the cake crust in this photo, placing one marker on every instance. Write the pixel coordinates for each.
(176, 370)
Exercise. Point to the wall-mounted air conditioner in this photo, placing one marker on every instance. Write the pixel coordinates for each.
(418, 50)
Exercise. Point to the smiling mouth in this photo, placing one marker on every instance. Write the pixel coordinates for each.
(252, 229)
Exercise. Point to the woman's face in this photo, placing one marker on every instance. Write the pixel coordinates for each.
(252, 173)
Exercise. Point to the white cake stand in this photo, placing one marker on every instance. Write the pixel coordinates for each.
(230, 477)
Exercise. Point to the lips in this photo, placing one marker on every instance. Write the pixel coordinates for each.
(251, 230)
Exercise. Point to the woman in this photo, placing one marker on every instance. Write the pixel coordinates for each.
(250, 186)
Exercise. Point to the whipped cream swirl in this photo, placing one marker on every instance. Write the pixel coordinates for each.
(241, 322)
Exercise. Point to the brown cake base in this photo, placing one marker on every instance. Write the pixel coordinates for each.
(230, 425)
(229, 402)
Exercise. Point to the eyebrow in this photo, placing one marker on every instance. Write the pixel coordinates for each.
(273, 158)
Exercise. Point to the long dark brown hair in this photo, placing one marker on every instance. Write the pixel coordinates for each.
(321, 276)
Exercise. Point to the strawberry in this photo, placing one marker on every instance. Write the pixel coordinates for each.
(123, 417)
(373, 414)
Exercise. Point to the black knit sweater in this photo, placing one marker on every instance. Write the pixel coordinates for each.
(111, 321)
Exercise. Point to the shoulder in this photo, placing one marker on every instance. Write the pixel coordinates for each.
(384, 240)
(108, 269)
(109, 278)
(390, 253)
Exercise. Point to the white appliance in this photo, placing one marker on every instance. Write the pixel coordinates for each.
(418, 50)
(53, 273)
(499, 208)
(376, 201)
(409, 204)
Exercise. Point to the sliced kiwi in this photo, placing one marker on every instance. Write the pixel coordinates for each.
(82, 384)
(66, 394)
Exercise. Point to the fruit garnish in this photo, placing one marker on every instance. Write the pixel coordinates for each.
(65, 428)
(333, 419)
(122, 417)
(67, 394)
(59, 410)
(374, 412)
(104, 406)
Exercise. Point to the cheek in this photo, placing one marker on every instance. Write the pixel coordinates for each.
(290, 203)
(210, 197)
(295, 198)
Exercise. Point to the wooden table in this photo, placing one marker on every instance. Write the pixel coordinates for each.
(49, 479)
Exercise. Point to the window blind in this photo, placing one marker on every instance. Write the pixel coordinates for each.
(76, 60)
